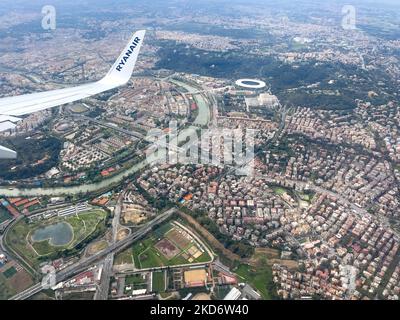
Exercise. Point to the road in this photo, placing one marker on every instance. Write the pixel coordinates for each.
(155, 269)
(113, 127)
(83, 264)
(2, 247)
(13, 253)
(104, 287)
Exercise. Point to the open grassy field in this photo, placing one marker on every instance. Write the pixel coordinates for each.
(10, 272)
(260, 278)
(97, 247)
(19, 237)
(258, 273)
(124, 257)
(13, 279)
(279, 191)
(5, 290)
(158, 282)
(89, 295)
(136, 279)
(270, 257)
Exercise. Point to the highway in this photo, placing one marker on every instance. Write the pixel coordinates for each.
(10, 251)
(104, 287)
(83, 264)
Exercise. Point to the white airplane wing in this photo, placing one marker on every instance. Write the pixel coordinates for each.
(120, 73)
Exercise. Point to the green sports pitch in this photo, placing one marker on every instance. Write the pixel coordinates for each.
(168, 245)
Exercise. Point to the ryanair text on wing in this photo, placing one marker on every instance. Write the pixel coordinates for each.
(128, 54)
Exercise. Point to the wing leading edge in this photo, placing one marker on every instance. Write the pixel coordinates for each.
(119, 75)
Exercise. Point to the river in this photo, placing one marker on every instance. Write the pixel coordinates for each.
(203, 118)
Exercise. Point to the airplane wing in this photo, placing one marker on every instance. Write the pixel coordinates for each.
(120, 73)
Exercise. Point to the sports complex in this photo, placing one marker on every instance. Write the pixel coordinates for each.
(251, 84)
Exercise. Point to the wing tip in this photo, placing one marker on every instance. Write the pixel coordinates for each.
(122, 70)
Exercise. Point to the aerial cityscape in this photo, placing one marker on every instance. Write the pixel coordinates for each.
(174, 150)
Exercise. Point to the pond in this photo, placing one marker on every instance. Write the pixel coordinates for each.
(58, 234)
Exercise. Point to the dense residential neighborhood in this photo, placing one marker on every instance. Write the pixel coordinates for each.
(254, 154)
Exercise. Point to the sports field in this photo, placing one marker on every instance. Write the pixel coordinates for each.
(13, 279)
(78, 108)
(10, 272)
(168, 245)
(158, 282)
